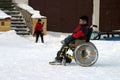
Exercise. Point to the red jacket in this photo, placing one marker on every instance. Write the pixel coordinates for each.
(39, 27)
(78, 32)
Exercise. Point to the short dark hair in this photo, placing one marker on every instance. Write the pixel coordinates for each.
(84, 18)
(39, 20)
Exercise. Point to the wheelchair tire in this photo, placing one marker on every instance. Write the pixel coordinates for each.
(86, 54)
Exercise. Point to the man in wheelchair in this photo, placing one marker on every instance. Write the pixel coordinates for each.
(82, 32)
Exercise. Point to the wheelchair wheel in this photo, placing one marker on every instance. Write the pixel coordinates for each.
(86, 54)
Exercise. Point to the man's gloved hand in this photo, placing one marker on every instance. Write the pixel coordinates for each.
(34, 34)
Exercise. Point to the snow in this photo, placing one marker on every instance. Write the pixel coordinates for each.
(4, 15)
(21, 1)
(35, 13)
(23, 59)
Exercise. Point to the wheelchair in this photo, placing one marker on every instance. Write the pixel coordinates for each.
(85, 52)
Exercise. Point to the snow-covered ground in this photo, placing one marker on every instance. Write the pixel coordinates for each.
(22, 59)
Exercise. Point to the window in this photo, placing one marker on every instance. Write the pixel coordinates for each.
(2, 23)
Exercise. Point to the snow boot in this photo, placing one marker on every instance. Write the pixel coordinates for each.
(55, 62)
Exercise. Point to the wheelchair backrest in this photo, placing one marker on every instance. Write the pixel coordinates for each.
(89, 34)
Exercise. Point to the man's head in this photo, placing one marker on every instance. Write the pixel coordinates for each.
(39, 20)
(83, 20)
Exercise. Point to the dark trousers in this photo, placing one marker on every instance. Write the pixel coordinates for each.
(67, 41)
(39, 33)
(62, 51)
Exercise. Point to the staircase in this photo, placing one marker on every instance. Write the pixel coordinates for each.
(18, 22)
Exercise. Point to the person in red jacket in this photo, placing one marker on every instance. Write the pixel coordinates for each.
(39, 31)
(81, 32)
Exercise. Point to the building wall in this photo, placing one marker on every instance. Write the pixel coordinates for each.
(96, 10)
(105, 13)
(109, 15)
(63, 15)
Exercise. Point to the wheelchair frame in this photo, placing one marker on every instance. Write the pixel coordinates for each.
(74, 46)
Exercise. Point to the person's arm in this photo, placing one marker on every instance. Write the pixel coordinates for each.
(36, 26)
(76, 29)
(78, 34)
(35, 30)
(42, 24)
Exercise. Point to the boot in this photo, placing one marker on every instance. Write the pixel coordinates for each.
(55, 62)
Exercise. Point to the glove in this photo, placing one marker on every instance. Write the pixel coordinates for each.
(34, 34)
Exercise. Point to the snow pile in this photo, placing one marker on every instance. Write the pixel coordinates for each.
(35, 13)
(11, 39)
(4, 15)
(22, 59)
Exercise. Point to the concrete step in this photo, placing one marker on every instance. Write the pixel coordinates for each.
(11, 12)
(6, 5)
(10, 1)
(20, 29)
(20, 23)
(16, 16)
(23, 32)
(19, 26)
(10, 9)
(17, 19)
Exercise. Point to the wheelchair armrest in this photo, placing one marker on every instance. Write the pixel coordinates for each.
(76, 43)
